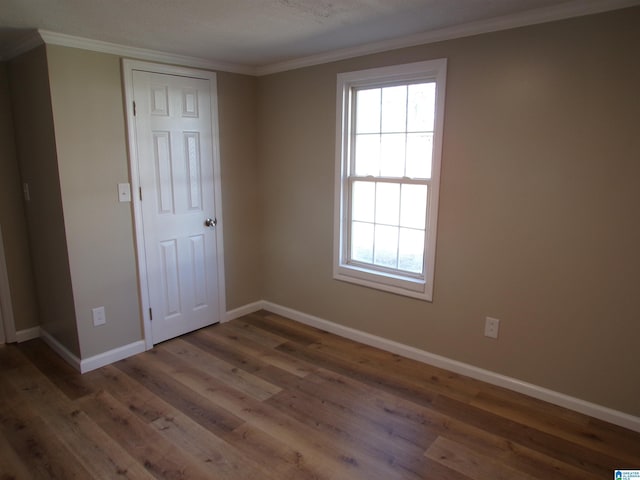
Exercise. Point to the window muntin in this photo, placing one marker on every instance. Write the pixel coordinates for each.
(389, 141)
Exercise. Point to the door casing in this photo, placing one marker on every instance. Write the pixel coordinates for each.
(128, 66)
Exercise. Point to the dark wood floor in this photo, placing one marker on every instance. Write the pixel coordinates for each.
(263, 397)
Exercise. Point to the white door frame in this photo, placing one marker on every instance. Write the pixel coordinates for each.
(7, 321)
(128, 66)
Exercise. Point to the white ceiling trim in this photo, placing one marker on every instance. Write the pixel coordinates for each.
(54, 38)
(575, 8)
(39, 37)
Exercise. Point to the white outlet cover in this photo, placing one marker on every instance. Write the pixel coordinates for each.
(491, 327)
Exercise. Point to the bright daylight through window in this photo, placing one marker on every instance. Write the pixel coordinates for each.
(389, 142)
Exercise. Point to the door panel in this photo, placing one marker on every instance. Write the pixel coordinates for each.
(175, 161)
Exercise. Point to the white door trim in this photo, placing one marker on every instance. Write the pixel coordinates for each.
(7, 321)
(128, 66)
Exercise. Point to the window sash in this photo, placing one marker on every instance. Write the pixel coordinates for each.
(369, 274)
(347, 253)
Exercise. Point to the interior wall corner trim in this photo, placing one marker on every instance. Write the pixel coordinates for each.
(60, 349)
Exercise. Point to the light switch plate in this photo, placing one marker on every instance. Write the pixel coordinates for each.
(124, 192)
(99, 316)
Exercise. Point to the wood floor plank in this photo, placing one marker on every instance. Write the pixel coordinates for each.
(178, 428)
(261, 337)
(255, 444)
(12, 465)
(266, 397)
(247, 345)
(406, 373)
(212, 417)
(465, 461)
(36, 443)
(360, 435)
(98, 453)
(564, 451)
(226, 460)
(234, 354)
(61, 373)
(229, 374)
(283, 461)
(591, 460)
(330, 452)
(289, 330)
(316, 393)
(436, 379)
(382, 379)
(307, 450)
(11, 357)
(571, 427)
(415, 423)
(140, 401)
(159, 457)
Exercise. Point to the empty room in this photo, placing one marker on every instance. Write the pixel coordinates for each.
(309, 239)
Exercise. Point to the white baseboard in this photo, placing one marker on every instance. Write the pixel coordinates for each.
(244, 310)
(111, 356)
(594, 410)
(60, 349)
(27, 334)
(97, 361)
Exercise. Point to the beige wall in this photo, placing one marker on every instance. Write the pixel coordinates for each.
(35, 143)
(538, 221)
(12, 218)
(88, 115)
(241, 183)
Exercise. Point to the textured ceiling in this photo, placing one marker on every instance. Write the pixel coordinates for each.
(253, 33)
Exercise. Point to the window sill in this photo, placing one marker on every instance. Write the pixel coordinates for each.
(404, 286)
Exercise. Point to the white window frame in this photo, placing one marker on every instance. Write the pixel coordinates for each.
(421, 286)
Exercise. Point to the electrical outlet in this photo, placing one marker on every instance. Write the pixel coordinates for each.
(491, 327)
(99, 316)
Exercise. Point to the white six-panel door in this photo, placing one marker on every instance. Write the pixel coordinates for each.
(174, 143)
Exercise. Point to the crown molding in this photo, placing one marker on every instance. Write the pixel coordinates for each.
(574, 8)
(40, 37)
(53, 38)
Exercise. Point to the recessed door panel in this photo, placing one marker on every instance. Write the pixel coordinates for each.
(198, 262)
(164, 173)
(192, 153)
(175, 161)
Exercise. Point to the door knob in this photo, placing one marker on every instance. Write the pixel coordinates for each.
(211, 222)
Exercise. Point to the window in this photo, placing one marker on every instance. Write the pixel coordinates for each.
(389, 141)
